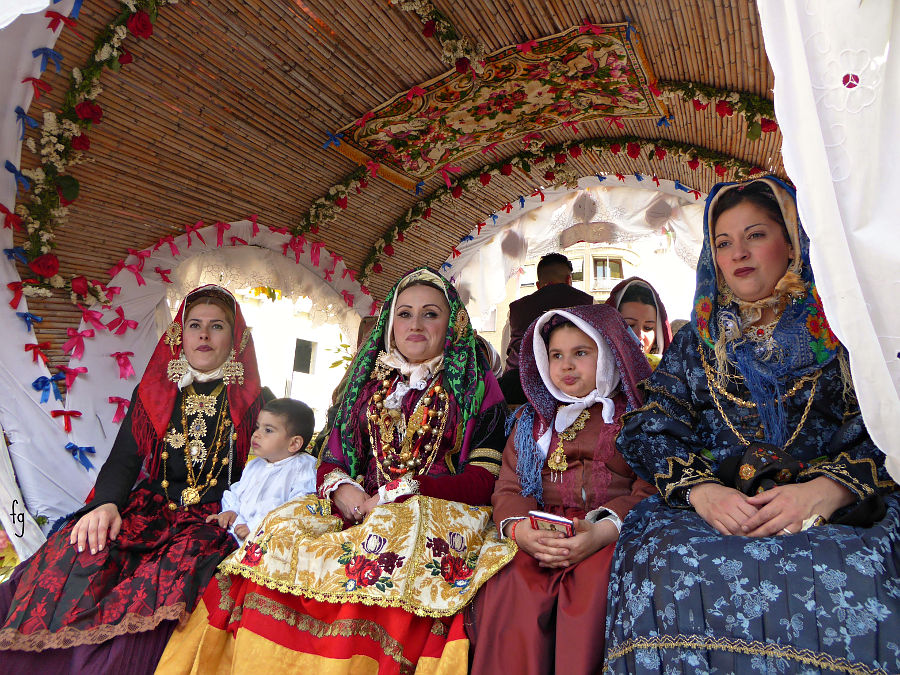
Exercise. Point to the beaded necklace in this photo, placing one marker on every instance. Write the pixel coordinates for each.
(190, 439)
(556, 460)
(399, 445)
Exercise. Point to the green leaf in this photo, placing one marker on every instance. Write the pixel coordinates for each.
(69, 187)
(754, 131)
(114, 65)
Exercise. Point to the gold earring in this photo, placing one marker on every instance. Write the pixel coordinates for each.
(177, 369)
(173, 336)
(232, 371)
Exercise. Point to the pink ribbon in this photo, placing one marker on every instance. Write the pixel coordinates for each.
(75, 344)
(140, 256)
(67, 416)
(615, 120)
(348, 298)
(364, 290)
(164, 274)
(526, 47)
(122, 405)
(446, 170)
(372, 166)
(415, 91)
(365, 118)
(593, 28)
(120, 324)
(92, 316)
(115, 269)
(71, 373)
(315, 249)
(492, 148)
(194, 229)
(220, 230)
(136, 271)
(123, 359)
(237, 241)
(335, 258)
(170, 240)
(373, 310)
(571, 125)
(348, 273)
(255, 226)
(278, 230)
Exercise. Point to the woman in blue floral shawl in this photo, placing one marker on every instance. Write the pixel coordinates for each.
(774, 545)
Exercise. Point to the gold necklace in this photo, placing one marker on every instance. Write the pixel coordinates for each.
(556, 460)
(190, 438)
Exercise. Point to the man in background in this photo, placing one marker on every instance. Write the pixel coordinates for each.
(554, 291)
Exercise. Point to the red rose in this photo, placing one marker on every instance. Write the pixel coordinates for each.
(314, 229)
(549, 176)
(400, 236)
(485, 178)
(363, 183)
(81, 142)
(454, 569)
(694, 163)
(125, 57)
(388, 250)
(724, 108)
(79, 286)
(62, 199)
(755, 170)
(720, 169)
(363, 571)
(377, 268)
(428, 29)
(560, 158)
(88, 110)
(462, 65)
(506, 169)
(139, 24)
(45, 265)
(614, 148)
(767, 125)
(633, 150)
(575, 151)
(252, 555)
(698, 105)
(427, 214)
(660, 153)
(341, 202)
(456, 191)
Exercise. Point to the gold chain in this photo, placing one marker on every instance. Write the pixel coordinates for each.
(556, 460)
(740, 437)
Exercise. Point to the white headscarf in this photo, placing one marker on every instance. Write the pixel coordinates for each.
(606, 382)
(415, 375)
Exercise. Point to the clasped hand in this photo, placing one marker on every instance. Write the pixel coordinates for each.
(554, 549)
(353, 502)
(226, 519)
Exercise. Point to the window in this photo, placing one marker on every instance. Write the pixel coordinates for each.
(577, 269)
(528, 276)
(608, 268)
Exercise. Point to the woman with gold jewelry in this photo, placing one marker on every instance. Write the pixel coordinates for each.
(774, 545)
(106, 591)
(408, 470)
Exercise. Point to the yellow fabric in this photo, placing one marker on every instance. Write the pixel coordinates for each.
(197, 648)
(442, 553)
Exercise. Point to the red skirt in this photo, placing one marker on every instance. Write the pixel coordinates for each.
(153, 572)
(534, 620)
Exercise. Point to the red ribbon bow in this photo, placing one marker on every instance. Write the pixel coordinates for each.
(164, 274)
(16, 288)
(237, 241)
(373, 310)
(71, 373)
(120, 324)
(122, 404)
(590, 27)
(536, 192)
(75, 344)
(446, 170)
(526, 47)
(491, 148)
(92, 316)
(115, 269)
(193, 229)
(170, 240)
(349, 273)
(348, 298)
(508, 207)
(480, 225)
(10, 220)
(67, 416)
(412, 93)
(255, 226)
(140, 256)
(220, 230)
(56, 19)
(335, 258)
(571, 125)
(38, 85)
(365, 118)
(315, 250)
(615, 120)
(123, 359)
(37, 350)
(136, 271)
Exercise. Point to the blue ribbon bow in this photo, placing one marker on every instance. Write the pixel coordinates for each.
(600, 178)
(16, 253)
(494, 217)
(664, 121)
(19, 176)
(26, 121)
(638, 177)
(446, 266)
(47, 55)
(75, 8)
(420, 187)
(680, 186)
(29, 319)
(46, 384)
(521, 202)
(333, 139)
(468, 237)
(81, 454)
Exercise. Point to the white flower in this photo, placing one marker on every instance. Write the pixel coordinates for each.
(76, 75)
(29, 143)
(103, 53)
(850, 82)
(57, 281)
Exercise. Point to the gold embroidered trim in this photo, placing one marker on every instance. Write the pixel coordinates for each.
(345, 628)
(330, 479)
(662, 391)
(739, 646)
(833, 469)
(68, 637)
(493, 467)
(690, 475)
(653, 405)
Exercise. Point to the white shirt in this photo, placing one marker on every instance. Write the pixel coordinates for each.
(266, 485)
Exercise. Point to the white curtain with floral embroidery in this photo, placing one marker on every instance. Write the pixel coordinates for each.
(837, 99)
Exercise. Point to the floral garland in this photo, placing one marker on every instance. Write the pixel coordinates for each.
(758, 112)
(63, 141)
(550, 166)
(456, 51)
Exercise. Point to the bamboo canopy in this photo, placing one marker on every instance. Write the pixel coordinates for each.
(226, 108)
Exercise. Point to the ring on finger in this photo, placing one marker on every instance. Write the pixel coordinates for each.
(786, 531)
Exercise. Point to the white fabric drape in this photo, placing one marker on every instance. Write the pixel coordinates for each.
(837, 99)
